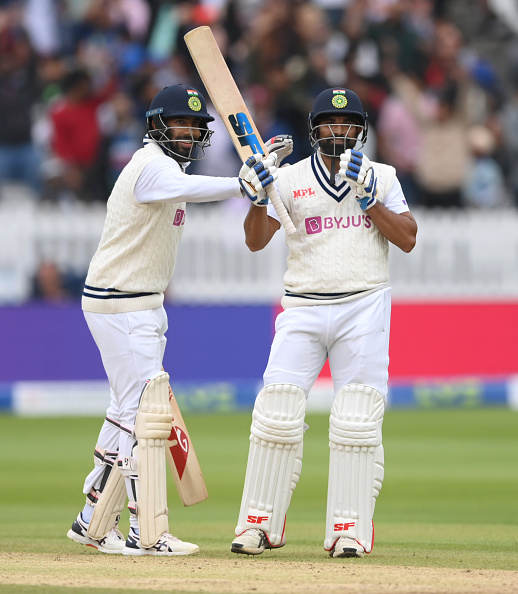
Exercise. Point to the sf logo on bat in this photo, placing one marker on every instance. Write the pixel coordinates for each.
(245, 132)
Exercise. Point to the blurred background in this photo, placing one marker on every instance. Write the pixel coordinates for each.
(439, 81)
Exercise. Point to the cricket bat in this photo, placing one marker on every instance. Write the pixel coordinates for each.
(228, 102)
(182, 459)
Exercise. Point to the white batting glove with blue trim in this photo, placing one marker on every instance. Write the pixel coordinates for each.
(256, 174)
(281, 145)
(357, 170)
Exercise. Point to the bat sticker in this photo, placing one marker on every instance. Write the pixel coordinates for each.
(245, 132)
(178, 445)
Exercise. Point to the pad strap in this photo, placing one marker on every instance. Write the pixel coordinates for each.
(110, 502)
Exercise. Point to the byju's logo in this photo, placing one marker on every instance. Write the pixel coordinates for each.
(179, 217)
(318, 224)
(313, 225)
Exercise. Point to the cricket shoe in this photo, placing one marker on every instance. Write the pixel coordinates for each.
(253, 542)
(347, 547)
(167, 546)
(112, 543)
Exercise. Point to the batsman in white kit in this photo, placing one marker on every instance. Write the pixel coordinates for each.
(123, 307)
(346, 209)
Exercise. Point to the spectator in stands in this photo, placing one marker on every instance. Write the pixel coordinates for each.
(484, 184)
(399, 143)
(19, 93)
(122, 136)
(508, 117)
(443, 159)
(49, 284)
(278, 61)
(76, 134)
(444, 56)
(386, 25)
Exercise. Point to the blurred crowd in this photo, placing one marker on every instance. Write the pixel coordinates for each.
(438, 79)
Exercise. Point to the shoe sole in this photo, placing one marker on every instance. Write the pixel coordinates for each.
(144, 552)
(87, 542)
(239, 548)
(346, 554)
(243, 551)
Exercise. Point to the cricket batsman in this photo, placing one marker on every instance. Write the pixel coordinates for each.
(123, 306)
(346, 209)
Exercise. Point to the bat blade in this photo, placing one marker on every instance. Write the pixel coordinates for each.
(183, 461)
(229, 103)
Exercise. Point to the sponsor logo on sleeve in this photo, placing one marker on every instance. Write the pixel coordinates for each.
(179, 217)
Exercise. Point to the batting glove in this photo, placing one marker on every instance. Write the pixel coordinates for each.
(357, 170)
(256, 174)
(281, 145)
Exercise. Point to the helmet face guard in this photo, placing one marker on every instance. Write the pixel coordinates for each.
(342, 102)
(162, 135)
(179, 101)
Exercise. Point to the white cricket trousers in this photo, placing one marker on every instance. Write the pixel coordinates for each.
(354, 335)
(132, 349)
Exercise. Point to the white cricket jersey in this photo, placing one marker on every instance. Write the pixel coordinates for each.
(144, 223)
(337, 253)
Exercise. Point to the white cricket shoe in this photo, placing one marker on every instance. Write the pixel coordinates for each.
(253, 542)
(112, 543)
(167, 545)
(347, 547)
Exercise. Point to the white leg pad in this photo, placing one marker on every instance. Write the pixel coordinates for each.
(355, 464)
(109, 506)
(152, 428)
(274, 460)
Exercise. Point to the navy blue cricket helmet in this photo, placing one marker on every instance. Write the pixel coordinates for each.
(337, 101)
(177, 101)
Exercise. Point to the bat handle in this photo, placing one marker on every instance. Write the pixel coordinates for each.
(275, 199)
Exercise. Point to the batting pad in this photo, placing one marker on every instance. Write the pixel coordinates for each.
(152, 428)
(274, 460)
(355, 464)
(109, 506)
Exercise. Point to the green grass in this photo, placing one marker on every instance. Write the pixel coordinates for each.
(449, 498)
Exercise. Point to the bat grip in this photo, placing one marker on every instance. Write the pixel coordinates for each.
(280, 209)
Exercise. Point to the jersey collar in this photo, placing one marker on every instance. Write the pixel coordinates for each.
(338, 192)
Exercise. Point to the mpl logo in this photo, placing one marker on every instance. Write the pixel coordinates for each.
(244, 131)
(179, 217)
(298, 194)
